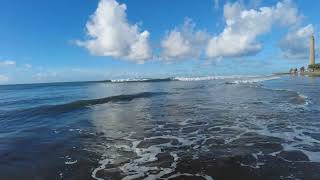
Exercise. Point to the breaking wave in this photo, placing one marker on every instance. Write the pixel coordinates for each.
(181, 78)
(296, 97)
(140, 80)
(254, 80)
(208, 78)
(235, 79)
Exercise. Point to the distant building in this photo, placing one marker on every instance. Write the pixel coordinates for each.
(312, 51)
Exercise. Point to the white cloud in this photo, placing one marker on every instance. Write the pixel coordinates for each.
(3, 78)
(295, 45)
(7, 63)
(244, 26)
(110, 34)
(184, 42)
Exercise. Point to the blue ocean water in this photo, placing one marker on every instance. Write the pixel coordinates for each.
(219, 127)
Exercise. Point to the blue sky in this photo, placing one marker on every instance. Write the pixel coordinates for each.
(48, 41)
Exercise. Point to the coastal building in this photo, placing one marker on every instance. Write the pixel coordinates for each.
(312, 51)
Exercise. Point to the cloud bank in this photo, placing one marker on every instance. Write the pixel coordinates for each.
(243, 27)
(110, 34)
(184, 42)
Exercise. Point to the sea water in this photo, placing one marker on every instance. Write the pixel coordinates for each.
(217, 127)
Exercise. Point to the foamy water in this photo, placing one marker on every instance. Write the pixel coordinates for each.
(237, 78)
(208, 78)
(255, 79)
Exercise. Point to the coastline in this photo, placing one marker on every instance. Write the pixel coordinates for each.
(283, 73)
(315, 73)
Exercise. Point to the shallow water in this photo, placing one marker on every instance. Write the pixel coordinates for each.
(230, 127)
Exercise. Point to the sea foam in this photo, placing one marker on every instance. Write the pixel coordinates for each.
(208, 78)
(255, 79)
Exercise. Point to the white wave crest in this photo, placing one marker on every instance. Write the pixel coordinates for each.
(129, 80)
(207, 78)
(255, 80)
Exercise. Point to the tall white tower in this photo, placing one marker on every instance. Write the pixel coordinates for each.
(312, 52)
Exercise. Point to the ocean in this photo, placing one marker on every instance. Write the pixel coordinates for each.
(218, 127)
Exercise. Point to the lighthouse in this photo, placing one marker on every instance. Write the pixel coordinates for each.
(312, 52)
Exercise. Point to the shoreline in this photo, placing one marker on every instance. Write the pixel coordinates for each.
(315, 73)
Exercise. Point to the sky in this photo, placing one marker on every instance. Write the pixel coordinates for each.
(82, 40)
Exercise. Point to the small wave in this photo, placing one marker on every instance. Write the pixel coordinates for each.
(61, 108)
(140, 80)
(70, 162)
(297, 98)
(254, 80)
(208, 78)
(91, 102)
